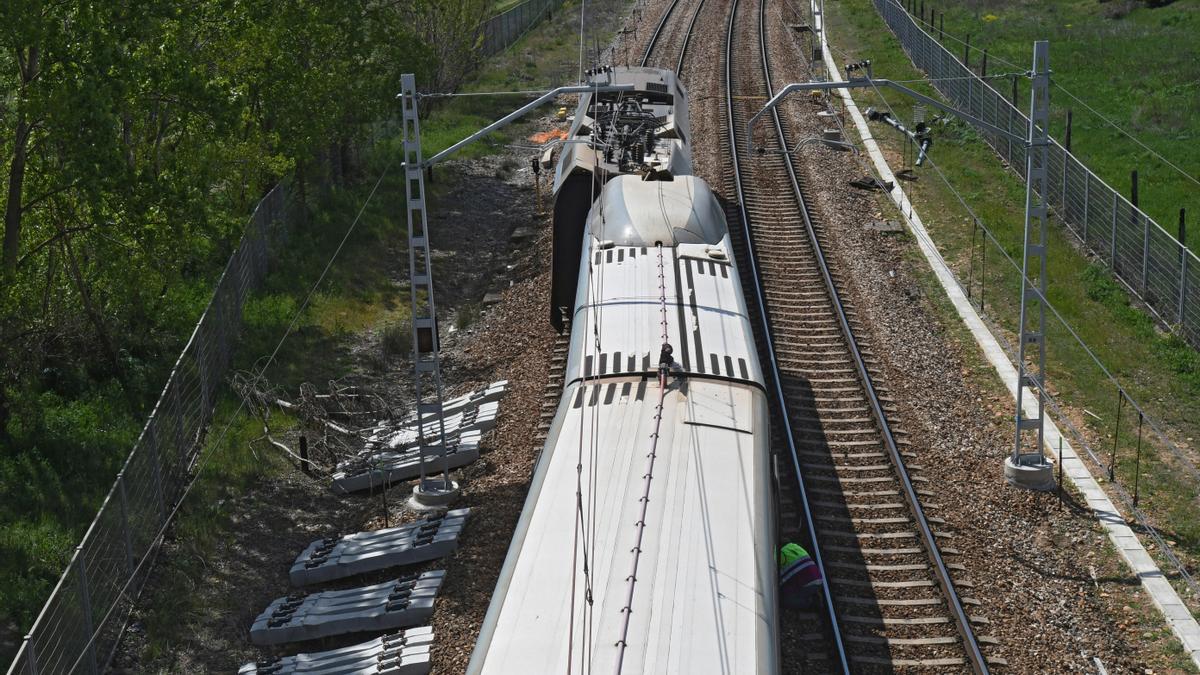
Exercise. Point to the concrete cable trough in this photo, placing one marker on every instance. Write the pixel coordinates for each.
(392, 453)
(332, 558)
(402, 653)
(406, 601)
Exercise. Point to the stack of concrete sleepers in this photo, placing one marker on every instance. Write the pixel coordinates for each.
(393, 454)
(404, 602)
(402, 653)
(394, 435)
(429, 538)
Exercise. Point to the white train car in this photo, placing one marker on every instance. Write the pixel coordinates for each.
(703, 596)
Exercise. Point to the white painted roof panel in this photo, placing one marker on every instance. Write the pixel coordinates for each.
(619, 299)
(705, 591)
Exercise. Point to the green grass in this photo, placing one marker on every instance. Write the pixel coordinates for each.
(204, 522)
(1159, 371)
(356, 296)
(1136, 65)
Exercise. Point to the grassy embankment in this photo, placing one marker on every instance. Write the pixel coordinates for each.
(1160, 372)
(1137, 66)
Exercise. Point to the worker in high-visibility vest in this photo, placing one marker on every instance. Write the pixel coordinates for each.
(799, 578)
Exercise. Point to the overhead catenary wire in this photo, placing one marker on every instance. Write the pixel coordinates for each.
(202, 460)
(585, 523)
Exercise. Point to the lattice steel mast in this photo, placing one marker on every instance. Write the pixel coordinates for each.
(427, 367)
(1033, 266)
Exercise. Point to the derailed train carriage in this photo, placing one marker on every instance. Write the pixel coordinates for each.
(646, 541)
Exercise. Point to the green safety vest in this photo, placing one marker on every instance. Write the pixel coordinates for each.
(790, 553)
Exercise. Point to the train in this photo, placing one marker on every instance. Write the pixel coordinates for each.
(646, 543)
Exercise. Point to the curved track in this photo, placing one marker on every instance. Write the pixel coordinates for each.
(668, 31)
(890, 600)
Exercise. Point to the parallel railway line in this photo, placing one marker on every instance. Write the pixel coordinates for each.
(667, 32)
(891, 601)
(844, 487)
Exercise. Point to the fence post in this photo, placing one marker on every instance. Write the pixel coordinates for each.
(1066, 163)
(180, 450)
(202, 372)
(1087, 187)
(1067, 144)
(1113, 254)
(151, 447)
(125, 525)
(85, 606)
(31, 667)
(983, 67)
(967, 53)
(1133, 177)
(1137, 466)
(983, 274)
(1183, 263)
(1112, 464)
(1012, 110)
(942, 26)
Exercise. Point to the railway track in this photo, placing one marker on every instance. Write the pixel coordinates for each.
(891, 601)
(672, 35)
(553, 390)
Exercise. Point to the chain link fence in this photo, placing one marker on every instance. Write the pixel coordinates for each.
(1142, 255)
(95, 593)
(505, 28)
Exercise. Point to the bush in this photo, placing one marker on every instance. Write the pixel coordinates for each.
(396, 339)
(467, 315)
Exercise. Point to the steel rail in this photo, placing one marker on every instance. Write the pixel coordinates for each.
(687, 35)
(962, 621)
(658, 32)
(687, 38)
(776, 376)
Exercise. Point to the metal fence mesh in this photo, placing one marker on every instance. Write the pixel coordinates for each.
(505, 28)
(105, 574)
(1145, 257)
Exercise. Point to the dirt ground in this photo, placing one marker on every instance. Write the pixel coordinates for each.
(271, 524)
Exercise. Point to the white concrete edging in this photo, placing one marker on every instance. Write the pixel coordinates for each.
(1168, 602)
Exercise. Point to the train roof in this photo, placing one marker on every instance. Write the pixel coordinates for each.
(618, 305)
(704, 596)
(636, 212)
